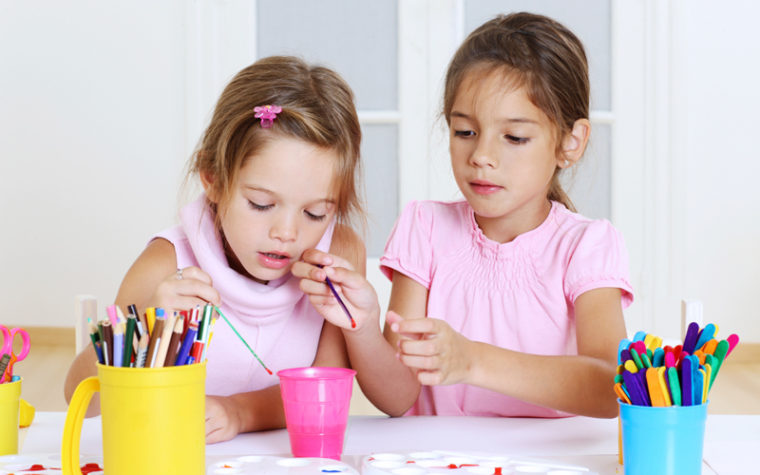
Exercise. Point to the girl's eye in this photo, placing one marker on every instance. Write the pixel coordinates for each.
(258, 206)
(516, 140)
(315, 217)
(463, 133)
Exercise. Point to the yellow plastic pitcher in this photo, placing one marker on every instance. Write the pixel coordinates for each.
(9, 397)
(153, 420)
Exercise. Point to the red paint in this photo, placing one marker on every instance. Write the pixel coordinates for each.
(268, 370)
(452, 465)
(91, 467)
(35, 468)
(353, 323)
(497, 471)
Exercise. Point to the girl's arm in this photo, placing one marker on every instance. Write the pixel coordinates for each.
(579, 384)
(390, 385)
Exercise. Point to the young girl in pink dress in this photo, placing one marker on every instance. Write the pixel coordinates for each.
(508, 303)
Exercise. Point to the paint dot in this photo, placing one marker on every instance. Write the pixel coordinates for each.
(228, 464)
(459, 461)
(227, 470)
(334, 469)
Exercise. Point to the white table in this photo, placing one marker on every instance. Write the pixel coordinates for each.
(731, 442)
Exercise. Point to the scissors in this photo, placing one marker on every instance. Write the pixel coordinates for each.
(9, 334)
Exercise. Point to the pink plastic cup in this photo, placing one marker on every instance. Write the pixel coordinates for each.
(316, 404)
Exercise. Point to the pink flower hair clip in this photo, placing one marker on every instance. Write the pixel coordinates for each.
(267, 114)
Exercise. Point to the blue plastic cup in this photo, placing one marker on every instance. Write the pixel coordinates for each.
(663, 440)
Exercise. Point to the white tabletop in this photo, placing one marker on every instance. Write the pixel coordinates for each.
(731, 442)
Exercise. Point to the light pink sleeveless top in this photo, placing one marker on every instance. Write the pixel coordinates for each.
(276, 319)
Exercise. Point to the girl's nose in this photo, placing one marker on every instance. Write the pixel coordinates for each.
(284, 228)
(483, 156)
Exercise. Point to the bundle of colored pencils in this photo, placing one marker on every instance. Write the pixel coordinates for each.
(153, 339)
(651, 375)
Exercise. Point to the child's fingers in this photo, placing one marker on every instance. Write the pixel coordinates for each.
(197, 289)
(427, 363)
(424, 347)
(304, 270)
(317, 257)
(192, 273)
(415, 325)
(347, 278)
(430, 378)
(310, 287)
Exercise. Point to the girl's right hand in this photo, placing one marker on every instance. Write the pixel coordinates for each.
(185, 289)
(356, 292)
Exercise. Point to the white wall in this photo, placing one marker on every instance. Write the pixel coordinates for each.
(92, 146)
(95, 131)
(717, 96)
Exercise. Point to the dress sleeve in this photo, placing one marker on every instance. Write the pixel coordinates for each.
(599, 260)
(409, 248)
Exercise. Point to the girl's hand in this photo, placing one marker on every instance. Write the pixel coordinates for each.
(222, 419)
(185, 289)
(354, 290)
(430, 347)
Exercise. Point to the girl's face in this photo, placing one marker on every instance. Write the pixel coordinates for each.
(280, 206)
(503, 154)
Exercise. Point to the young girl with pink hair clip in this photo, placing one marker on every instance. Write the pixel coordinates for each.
(279, 164)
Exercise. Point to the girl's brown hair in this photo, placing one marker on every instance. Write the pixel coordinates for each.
(543, 56)
(317, 107)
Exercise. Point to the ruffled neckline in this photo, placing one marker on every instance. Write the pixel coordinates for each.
(528, 239)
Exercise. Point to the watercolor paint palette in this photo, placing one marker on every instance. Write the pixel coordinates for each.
(250, 464)
(47, 464)
(455, 463)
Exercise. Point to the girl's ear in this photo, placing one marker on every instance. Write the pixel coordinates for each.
(574, 143)
(207, 180)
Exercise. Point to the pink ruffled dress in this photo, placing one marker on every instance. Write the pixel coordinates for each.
(518, 295)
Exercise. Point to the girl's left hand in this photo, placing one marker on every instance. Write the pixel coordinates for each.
(222, 420)
(430, 347)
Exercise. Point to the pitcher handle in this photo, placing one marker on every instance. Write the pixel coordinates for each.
(72, 429)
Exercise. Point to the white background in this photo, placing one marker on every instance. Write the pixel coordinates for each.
(101, 104)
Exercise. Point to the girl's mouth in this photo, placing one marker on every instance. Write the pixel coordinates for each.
(483, 187)
(274, 260)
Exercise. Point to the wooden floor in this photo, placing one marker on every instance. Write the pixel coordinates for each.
(735, 391)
